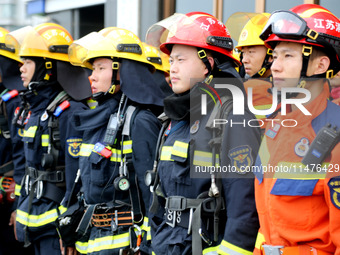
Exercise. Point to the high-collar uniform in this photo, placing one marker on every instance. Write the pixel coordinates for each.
(98, 174)
(36, 214)
(185, 150)
(12, 154)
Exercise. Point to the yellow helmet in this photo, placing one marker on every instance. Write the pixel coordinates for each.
(246, 28)
(126, 43)
(6, 51)
(15, 38)
(90, 46)
(110, 42)
(47, 40)
(157, 58)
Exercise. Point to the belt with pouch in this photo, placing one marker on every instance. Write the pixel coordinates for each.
(115, 218)
(179, 210)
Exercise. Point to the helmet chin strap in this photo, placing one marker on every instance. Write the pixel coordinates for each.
(265, 65)
(203, 56)
(100, 96)
(306, 53)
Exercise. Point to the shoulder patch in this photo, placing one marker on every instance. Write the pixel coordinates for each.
(73, 146)
(334, 190)
(241, 158)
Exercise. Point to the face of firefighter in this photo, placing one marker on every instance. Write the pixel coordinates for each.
(27, 71)
(101, 77)
(287, 64)
(186, 68)
(252, 58)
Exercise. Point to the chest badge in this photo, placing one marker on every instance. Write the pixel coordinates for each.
(334, 188)
(272, 131)
(301, 147)
(194, 128)
(44, 116)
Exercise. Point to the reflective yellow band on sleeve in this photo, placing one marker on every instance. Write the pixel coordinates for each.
(108, 243)
(259, 240)
(38, 220)
(210, 250)
(86, 149)
(166, 153)
(180, 149)
(62, 209)
(146, 228)
(203, 158)
(30, 132)
(127, 147)
(231, 249)
(17, 190)
(44, 140)
(145, 225)
(82, 247)
(116, 155)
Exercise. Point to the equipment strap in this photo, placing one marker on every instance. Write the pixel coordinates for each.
(85, 222)
(54, 177)
(134, 191)
(179, 203)
(156, 187)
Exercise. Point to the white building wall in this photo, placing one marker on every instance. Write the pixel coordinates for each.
(61, 5)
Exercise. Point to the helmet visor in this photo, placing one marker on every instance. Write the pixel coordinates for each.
(90, 46)
(15, 39)
(158, 33)
(240, 20)
(285, 24)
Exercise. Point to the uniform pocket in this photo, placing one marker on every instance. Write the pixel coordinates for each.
(180, 154)
(31, 131)
(99, 168)
(290, 196)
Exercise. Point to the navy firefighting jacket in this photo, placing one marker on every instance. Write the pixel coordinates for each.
(187, 144)
(39, 214)
(98, 173)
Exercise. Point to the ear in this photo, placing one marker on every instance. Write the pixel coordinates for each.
(321, 64)
(212, 64)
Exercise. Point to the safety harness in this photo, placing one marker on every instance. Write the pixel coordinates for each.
(207, 203)
(50, 182)
(126, 182)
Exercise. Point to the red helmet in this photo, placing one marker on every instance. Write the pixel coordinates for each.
(197, 29)
(308, 24)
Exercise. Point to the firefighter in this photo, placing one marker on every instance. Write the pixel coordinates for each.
(298, 201)
(51, 145)
(12, 159)
(255, 57)
(118, 143)
(195, 211)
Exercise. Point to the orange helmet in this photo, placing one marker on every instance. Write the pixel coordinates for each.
(197, 29)
(308, 24)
